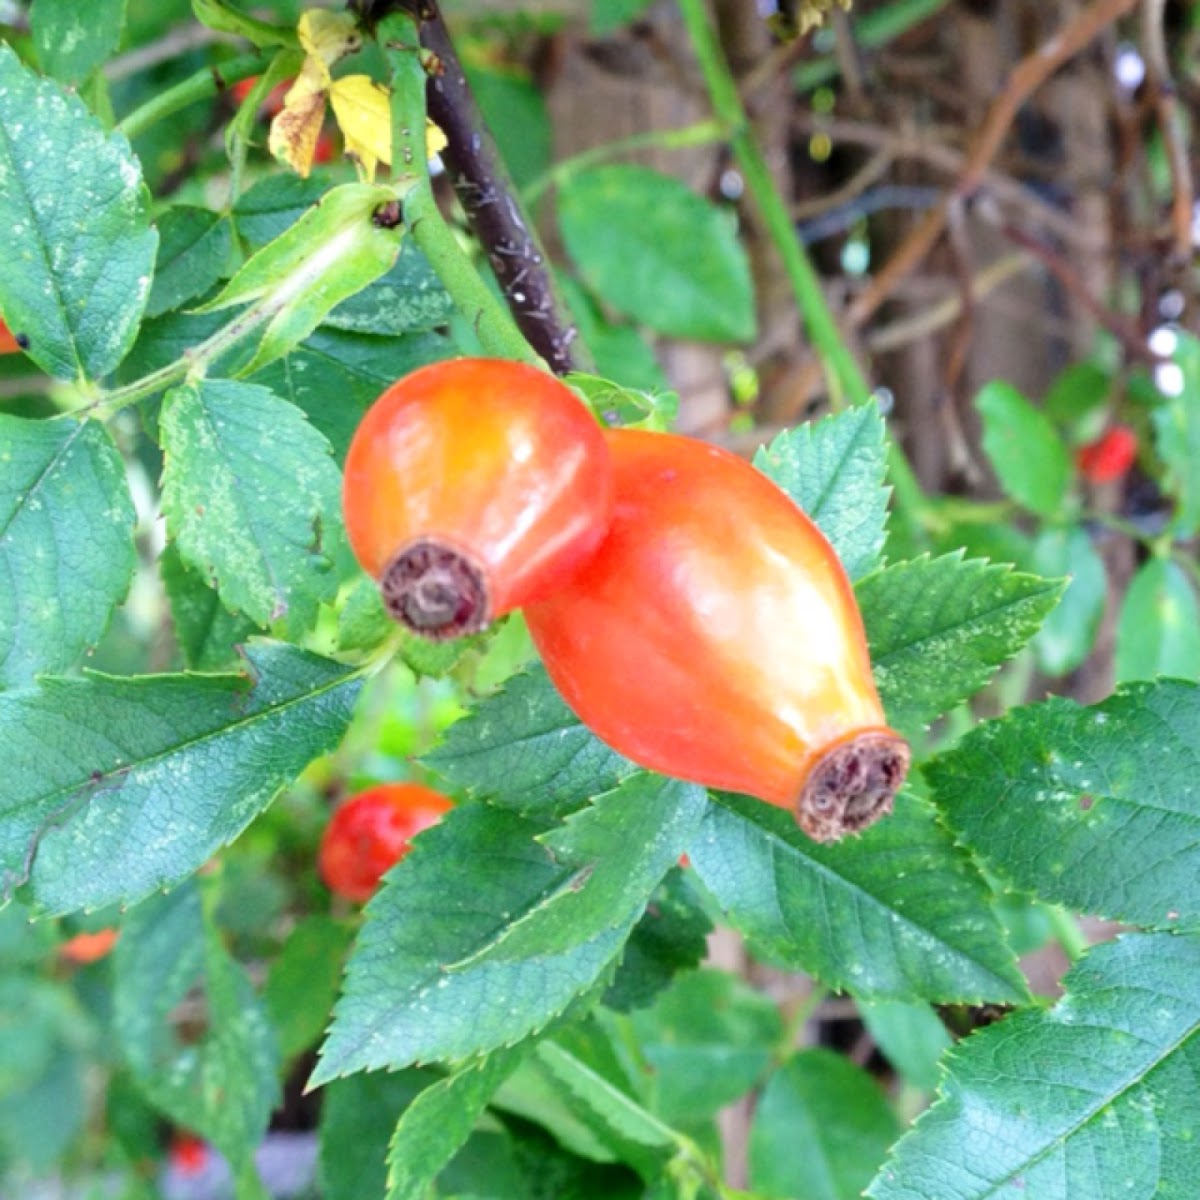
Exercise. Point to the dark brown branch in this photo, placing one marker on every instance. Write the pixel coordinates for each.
(487, 195)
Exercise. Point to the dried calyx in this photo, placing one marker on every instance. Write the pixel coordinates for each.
(852, 785)
(436, 590)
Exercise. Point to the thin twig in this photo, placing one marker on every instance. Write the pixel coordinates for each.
(924, 147)
(874, 168)
(1121, 328)
(1026, 77)
(1170, 124)
(904, 332)
(487, 195)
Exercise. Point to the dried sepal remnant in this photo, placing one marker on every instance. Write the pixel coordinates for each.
(436, 590)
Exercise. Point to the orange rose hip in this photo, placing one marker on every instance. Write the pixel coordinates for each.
(473, 487)
(715, 637)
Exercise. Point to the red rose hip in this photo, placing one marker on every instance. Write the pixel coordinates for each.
(371, 832)
(474, 487)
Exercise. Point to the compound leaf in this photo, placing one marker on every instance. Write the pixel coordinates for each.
(1096, 808)
(74, 221)
(66, 542)
(898, 913)
(939, 627)
(118, 787)
(253, 499)
(834, 470)
(1094, 1098)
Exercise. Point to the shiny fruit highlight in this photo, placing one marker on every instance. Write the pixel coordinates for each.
(473, 487)
(715, 637)
(371, 832)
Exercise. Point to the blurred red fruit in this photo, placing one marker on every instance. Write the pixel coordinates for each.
(1109, 456)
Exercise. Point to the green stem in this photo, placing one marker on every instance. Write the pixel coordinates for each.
(700, 134)
(200, 86)
(195, 361)
(497, 331)
(846, 381)
(1067, 932)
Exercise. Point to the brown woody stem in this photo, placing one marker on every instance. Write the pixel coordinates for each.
(487, 195)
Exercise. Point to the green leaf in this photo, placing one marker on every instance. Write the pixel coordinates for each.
(1177, 438)
(938, 628)
(303, 981)
(1069, 632)
(409, 298)
(911, 1036)
(334, 377)
(1158, 632)
(1024, 449)
(73, 39)
(898, 913)
(193, 252)
(1095, 1098)
(607, 16)
(623, 1128)
(118, 787)
(670, 937)
(1096, 808)
(821, 1128)
(358, 1117)
(654, 249)
(525, 749)
(73, 215)
(219, 16)
(257, 515)
(834, 470)
(222, 1085)
(620, 352)
(38, 1123)
(335, 249)
(707, 1039)
(274, 204)
(613, 404)
(440, 973)
(1078, 390)
(66, 542)
(438, 1122)
(207, 632)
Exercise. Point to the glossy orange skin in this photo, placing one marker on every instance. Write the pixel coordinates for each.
(8, 343)
(714, 635)
(498, 460)
(1109, 456)
(371, 832)
(88, 947)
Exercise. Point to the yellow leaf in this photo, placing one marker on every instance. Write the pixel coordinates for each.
(328, 36)
(361, 108)
(296, 128)
(435, 139)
